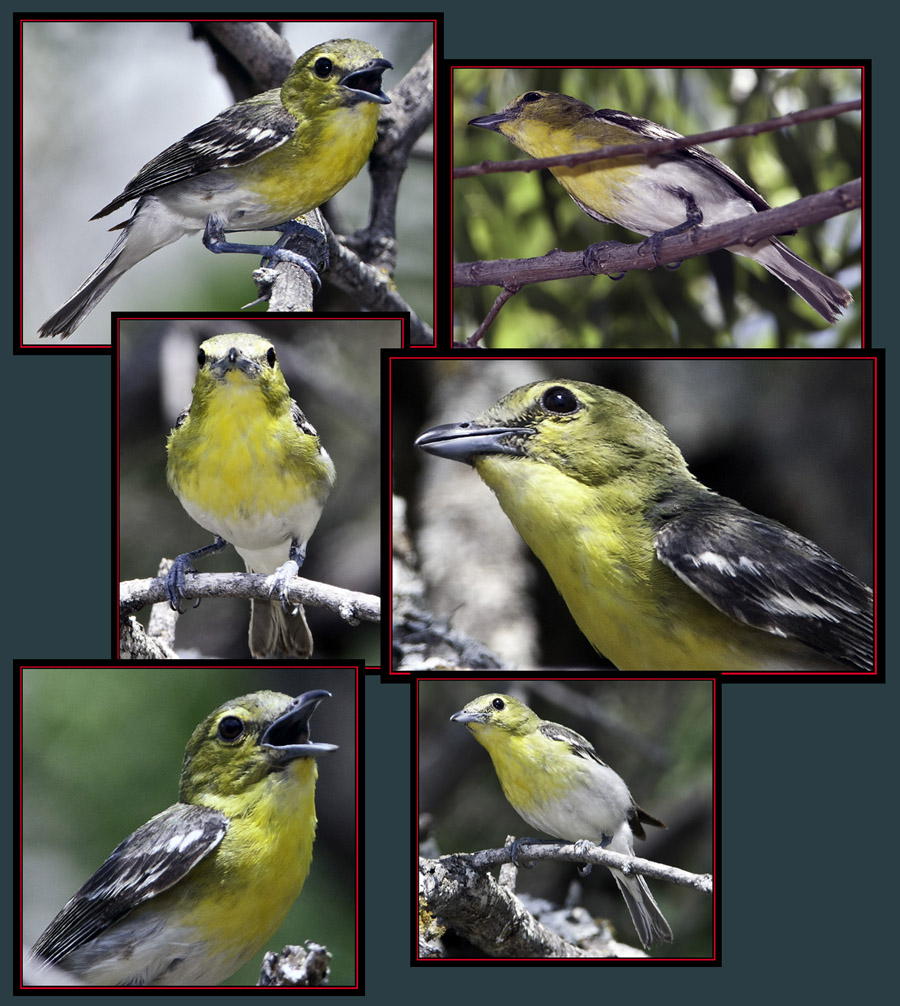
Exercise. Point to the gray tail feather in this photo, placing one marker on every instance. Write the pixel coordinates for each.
(64, 322)
(275, 632)
(821, 292)
(648, 920)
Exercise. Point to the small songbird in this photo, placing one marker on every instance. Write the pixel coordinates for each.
(248, 466)
(254, 167)
(195, 892)
(556, 781)
(659, 572)
(659, 195)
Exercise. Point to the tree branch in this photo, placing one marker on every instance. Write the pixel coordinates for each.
(420, 640)
(489, 915)
(253, 57)
(614, 257)
(351, 605)
(138, 643)
(297, 967)
(657, 147)
(363, 263)
(370, 288)
(401, 123)
(459, 891)
(285, 285)
(588, 852)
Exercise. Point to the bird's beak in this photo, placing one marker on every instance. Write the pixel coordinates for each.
(365, 83)
(234, 359)
(288, 736)
(493, 121)
(463, 717)
(461, 441)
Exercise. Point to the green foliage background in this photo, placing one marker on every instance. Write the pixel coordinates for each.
(718, 300)
(102, 752)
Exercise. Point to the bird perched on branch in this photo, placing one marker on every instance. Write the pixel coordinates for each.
(659, 572)
(555, 780)
(655, 195)
(254, 167)
(248, 466)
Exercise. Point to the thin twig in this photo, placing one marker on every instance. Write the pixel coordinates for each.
(587, 852)
(615, 258)
(351, 605)
(657, 147)
(508, 291)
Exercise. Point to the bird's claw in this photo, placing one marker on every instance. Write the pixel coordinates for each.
(176, 587)
(515, 848)
(581, 847)
(280, 584)
(286, 255)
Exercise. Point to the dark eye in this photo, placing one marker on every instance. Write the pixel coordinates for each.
(498, 704)
(532, 96)
(323, 67)
(201, 358)
(559, 399)
(271, 357)
(230, 728)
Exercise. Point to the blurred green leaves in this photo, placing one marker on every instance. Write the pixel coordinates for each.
(715, 301)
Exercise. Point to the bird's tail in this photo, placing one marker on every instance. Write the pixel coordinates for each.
(275, 632)
(821, 292)
(64, 322)
(151, 226)
(648, 920)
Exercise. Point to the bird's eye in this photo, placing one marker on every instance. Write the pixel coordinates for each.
(559, 399)
(201, 358)
(532, 96)
(323, 67)
(230, 728)
(498, 704)
(271, 357)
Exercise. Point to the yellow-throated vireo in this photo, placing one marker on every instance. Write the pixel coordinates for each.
(195, 892)
(254, 167)
(659, 572)
(555, 781)
(248, 466)
(659, 195)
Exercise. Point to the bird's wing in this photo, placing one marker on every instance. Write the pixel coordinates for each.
(238, 135)
(148, 862)
(762, 574)
(653, 131)
(300, 420)
(578, 745)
